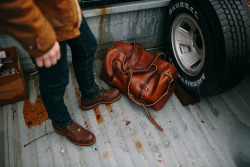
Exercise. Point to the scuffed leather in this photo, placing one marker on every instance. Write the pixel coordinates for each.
(75, 133)
(106, 96)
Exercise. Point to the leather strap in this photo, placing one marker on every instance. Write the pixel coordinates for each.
(148, 113)
(144, 86)
(148, 105)
(137, 50)
(127, 58)
(129, 55)
(152, 119)
(158, 54)
(134, 57)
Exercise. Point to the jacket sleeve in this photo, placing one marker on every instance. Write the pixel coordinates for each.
(23, 20)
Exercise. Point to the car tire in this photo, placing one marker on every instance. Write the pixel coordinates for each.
(209, 43)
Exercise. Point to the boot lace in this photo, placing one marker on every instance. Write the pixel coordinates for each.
(74, 128)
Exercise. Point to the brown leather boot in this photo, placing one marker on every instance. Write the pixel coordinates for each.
(106, 96)
(76, 134)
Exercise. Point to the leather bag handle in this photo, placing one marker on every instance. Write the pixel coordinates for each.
(132, 57)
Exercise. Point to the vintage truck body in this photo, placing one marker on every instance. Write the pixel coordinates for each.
(212, 133)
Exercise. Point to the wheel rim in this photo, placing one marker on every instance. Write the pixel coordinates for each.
(188, 44)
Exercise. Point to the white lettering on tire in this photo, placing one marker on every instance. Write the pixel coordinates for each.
(183, 5)
(192, 84)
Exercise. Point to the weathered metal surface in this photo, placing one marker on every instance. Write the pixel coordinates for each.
(215, 132)
(126, 7)
(97, 3)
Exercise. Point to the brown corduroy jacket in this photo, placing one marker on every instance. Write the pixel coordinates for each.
(37, 24)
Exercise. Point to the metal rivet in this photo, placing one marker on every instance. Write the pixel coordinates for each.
(42, 42)
(31, 47)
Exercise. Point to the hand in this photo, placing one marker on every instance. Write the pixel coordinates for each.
(49, 58)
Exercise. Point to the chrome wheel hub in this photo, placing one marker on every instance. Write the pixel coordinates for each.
(188, 44)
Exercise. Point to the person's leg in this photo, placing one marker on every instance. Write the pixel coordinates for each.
(52, 83)
(83, 49)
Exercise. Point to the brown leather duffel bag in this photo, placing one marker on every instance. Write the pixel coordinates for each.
(148, 80)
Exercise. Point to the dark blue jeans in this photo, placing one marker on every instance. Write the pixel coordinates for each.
(53, 80)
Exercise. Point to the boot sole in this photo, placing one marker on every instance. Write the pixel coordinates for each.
(91, 107)
(74, 142)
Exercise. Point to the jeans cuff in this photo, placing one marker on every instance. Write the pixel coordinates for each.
(64, 123)
(93, 93)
